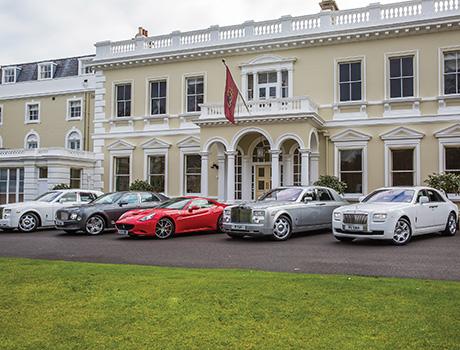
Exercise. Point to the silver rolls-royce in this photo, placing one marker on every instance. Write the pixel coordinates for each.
(283, 211)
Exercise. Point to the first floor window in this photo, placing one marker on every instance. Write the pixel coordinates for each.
(452, 73)
(32, 141)
(351, 169)
(157, 172)
(74, 111)
(74, 141)
(158, 97)
(11, 185)
(122, 173)
(250, 92)
(75, 178)
(297, 171)
(43, 172)
(402, 77)
(284, 84)
(195, 93)
(402, 167)
(452, 156)
(192, 173)
(123, 100)
(33, 112)
(350, 81)
(267, 85)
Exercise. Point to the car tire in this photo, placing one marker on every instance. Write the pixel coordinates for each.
(282, 228)
(220, 224)
(28, 222)
(344, 239)
(451, 225)
(164, 228)
(95, 225)
(402, 233)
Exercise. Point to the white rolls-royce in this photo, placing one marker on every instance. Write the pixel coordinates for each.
(396, 214)
(28, 216)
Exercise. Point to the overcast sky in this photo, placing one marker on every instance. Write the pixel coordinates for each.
(33, 30)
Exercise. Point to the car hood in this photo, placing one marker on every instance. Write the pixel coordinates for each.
(373, 207)
(139, 213)
(26, 205)
(265, 204)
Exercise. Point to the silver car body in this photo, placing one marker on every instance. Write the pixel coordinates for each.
(258, 218)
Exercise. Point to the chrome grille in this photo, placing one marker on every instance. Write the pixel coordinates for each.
(356, 219)
(63, 216)
(241, 215)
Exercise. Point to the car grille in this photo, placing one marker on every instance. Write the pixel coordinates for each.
(1, 212)
(63, 215)
(126, 227)
(241, 215)
(356, 219)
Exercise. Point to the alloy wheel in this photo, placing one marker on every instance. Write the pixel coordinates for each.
(28, 222)
(164, 228)
(451, 228)
(282, 228)
(402, 232)
(94, 225)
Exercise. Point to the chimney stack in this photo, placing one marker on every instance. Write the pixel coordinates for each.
(328, 5)
(142, 33)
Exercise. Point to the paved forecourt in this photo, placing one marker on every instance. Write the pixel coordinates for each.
(430, 257)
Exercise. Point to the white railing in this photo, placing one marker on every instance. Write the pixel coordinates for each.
(373, 15)
(45, 152)
(281, 106)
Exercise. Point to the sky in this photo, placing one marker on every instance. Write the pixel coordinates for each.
(32, 30)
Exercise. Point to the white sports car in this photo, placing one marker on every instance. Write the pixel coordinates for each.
(396, 214)
(28, 216)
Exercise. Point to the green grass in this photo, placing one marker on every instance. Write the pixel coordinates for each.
(62, 305)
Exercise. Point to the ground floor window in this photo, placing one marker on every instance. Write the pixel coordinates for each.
(297, 169)
(402, 167)
(238, 176)
(192, 173)
(75, 178)
(452, 156)
(157, 171)
(11, 185)
(122, 173)
(351, 169)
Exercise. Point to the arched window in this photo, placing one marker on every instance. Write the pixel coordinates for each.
(74, 141)
(297, 167)
(261, 153)
(32, 141)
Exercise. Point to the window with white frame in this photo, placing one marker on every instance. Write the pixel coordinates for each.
(74, 109)
(32, 112)
(192, 173)
(452, 159)
(123, 100)
(402, 77)
(11, 185)
(45, 71)
(269, 85)
(75, 178)
(351, 169)
(74, 141)
(121, 173)
(157, 172)
(9, 75)
(43, 173)
(250, 89)
(195, 93)
(297, 169)
(350, 81)
(158, 97)
(32, 141)
(402, 167)
(451, 72)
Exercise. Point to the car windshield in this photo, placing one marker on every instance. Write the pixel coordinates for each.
(282, 194)
(390, 196)
(175, 203)
(48, 197)
(109, 198)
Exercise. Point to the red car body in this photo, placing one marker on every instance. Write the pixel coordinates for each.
(197, 214)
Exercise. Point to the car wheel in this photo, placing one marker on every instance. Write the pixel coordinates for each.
(28, 222)
(451, 226)
(220, 224)
(282, 229)
(402, 233)
(95, 225)
(344, 239)
(164, 228)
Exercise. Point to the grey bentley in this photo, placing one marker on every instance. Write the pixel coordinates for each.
(283, 211)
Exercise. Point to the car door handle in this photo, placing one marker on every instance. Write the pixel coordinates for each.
(320, 204)
(433, 206)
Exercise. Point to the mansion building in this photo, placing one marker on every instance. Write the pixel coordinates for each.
(370, 95)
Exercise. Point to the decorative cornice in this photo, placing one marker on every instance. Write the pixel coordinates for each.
(315, 119)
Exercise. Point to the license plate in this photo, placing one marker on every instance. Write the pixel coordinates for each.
(354, 228)
(123, 232)
(238, 227)
(59, 223)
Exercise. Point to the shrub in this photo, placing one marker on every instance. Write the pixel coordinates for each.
(449, 183)
(140, 185)
(61, 187)
(331, 182)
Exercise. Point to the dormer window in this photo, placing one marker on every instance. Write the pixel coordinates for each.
(9, 75)
(46, 71)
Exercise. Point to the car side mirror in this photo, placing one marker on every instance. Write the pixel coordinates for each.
(307, 199)
(423, 200)
(122, 204)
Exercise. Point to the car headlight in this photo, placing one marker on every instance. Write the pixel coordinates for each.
(75, 216)
(337, 216)
(379, 217)
(147, 218)
(227, 215)
(258, 216)
(6, 213)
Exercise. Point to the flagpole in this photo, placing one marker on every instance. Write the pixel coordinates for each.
(239, 92)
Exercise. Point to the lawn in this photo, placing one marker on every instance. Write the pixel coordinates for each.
(63, 305)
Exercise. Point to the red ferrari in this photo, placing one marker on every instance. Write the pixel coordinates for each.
(177, 215)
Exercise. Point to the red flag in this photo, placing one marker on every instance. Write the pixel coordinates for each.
(230, 97)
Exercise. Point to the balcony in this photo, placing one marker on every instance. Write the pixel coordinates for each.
(21, 154)
(372, 16)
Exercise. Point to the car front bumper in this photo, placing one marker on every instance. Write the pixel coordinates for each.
(71, 225)
(255, 230)
(7, 224)
(375, 230)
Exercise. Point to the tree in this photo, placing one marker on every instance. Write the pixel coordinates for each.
(448, 182)
(331, 182)
(61, 187)
(140, 185)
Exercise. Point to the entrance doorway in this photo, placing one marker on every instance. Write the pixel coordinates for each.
(262, 179)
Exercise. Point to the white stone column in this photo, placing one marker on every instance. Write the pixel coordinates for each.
(221, 178)
(231, 176)
(314, 167)
(246, 178)
(278, 86)
(288, 169)
(204, 173)
(305, 173)
(275, 168)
